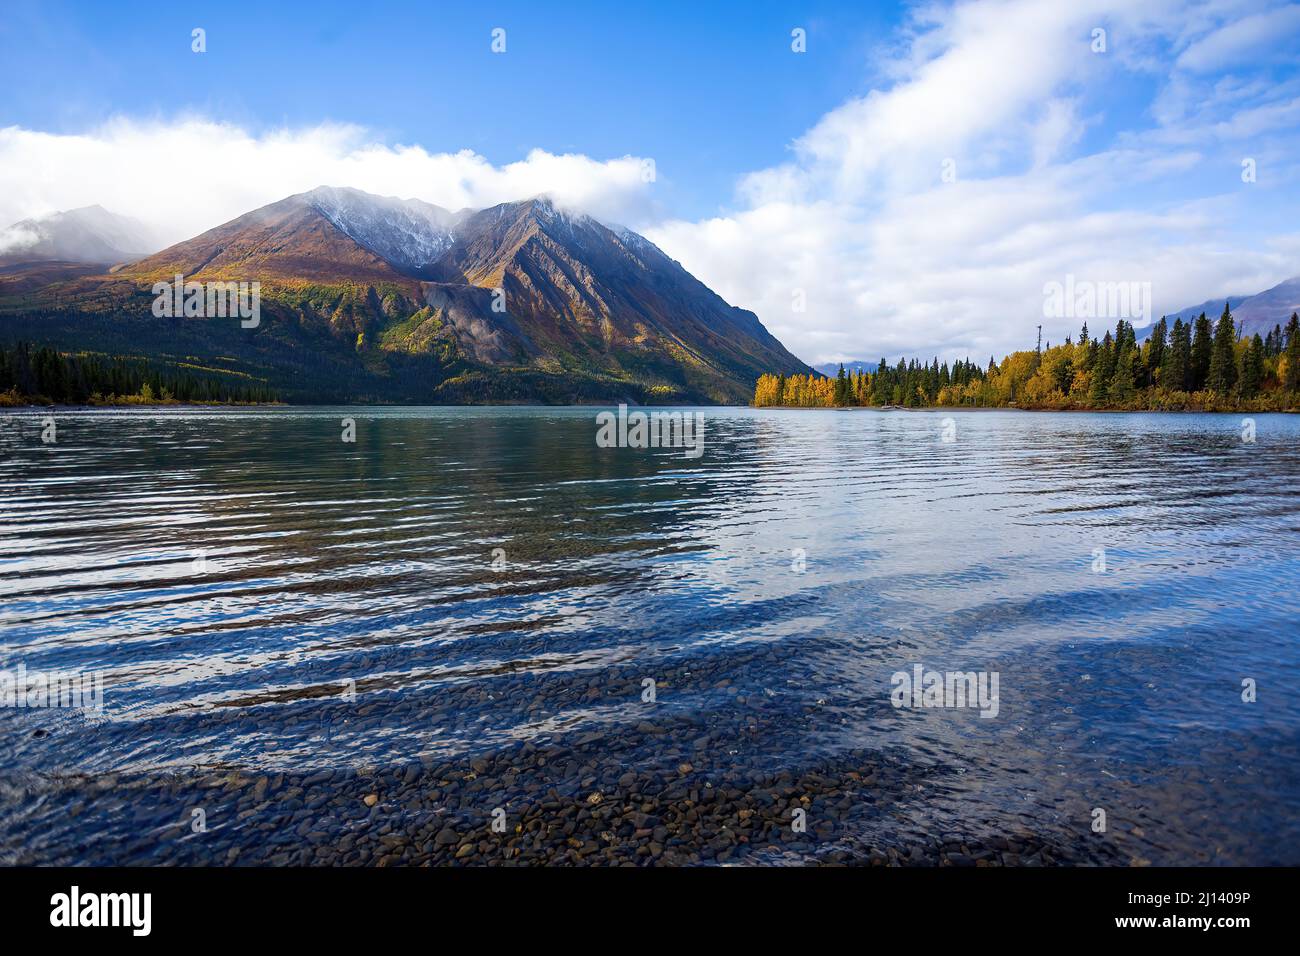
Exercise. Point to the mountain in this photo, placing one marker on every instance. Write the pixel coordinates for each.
(298, 238)
(408, 233)
(1212, 308)
(852, 365)
(1274, 306)
(90, 234)
(1257, 313)
(369, 298)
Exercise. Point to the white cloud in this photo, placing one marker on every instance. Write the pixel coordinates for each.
(185, 176)
(1250, 36)
(17, 237)
(893, 260)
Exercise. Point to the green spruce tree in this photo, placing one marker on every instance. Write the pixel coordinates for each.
(1202, 343)
(1223, 357)
(1121, 383)
(1156, 349)
(1292, 380)
(1252, 368)
(1103, 367)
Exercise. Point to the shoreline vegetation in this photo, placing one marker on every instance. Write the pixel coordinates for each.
(1195, 366)
(1192, 366)
(43, 377)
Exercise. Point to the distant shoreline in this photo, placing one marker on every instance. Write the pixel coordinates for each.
(1028, 408)
(204, 406)
(46, 406)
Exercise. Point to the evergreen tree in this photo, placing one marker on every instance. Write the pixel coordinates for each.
(1199, 366)
(1156, 349)
(1063, 374)
(1252, 368)
(1273, 342)
(1124, 336)
(1121, 383)
(1103, 368)
(1175, 371)
(1223, 357)
(1292, 380)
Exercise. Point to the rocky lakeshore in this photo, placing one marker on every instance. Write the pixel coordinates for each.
(577, 803)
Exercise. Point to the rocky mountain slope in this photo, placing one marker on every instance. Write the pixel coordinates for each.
(375, 298)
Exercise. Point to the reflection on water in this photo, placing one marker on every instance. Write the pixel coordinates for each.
(258, 593)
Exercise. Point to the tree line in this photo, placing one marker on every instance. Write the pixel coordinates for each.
(46, 376)
(910, 383)
(1197, 364)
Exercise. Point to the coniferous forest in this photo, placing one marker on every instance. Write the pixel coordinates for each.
(45, 376)
(1196, 365)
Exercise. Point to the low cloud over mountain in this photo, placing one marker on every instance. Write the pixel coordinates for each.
(90, 234)
(402, 300)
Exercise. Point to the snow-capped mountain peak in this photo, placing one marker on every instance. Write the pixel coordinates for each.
(409, 233)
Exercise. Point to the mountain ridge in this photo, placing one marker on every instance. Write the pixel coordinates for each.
(520, 301)
(1257, 313)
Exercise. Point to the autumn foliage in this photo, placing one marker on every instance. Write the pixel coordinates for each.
(1192, 365)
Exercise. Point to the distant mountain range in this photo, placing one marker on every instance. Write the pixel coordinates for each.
(851, 365)
(90, 234)
(1261, 312)
(369, 298)
(1257, 313)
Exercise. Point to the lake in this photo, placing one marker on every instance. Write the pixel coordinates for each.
(318, 650)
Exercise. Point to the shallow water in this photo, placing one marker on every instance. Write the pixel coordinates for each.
(257, 593)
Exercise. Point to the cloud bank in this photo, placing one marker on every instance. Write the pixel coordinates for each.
(188, 175)
(1003, 151)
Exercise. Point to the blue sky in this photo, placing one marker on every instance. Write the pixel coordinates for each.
(710, 91)
(905, 186)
